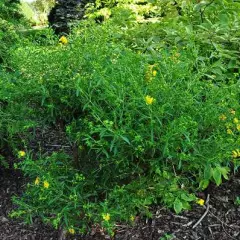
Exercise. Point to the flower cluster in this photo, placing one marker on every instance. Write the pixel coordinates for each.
(233, 124)
(151, 73)
(45, 183)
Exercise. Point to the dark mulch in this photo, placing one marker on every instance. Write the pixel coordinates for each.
(222, 221)
(11, 184)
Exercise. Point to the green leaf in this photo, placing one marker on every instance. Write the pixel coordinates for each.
(203, 184)
(125, 139)
(198, 6)
(188, 197)
(178, 206)
(224, 171)
(217, 176)
(208, 172)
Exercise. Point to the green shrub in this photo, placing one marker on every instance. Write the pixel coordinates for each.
(148, 128)
(17, 116)
(210, 25)
(10, 10)
(149, 100)
(10, 18)
(8, 37)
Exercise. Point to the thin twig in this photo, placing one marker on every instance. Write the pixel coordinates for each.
(202, 11)
(204, 214)
(56, 145)
(223, 223)
(179, 216)
(210, 230)
(61, 234)
(228, 233)
(187, 224)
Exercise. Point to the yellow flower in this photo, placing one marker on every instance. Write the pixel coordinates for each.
(149, 100)
(232, 112)
(222, 117)
(21, 154)
(236, 153)
(106, 217)
(154, 73)
(235, 120)
(63, 40)
(132, 218)
(46, 184)
(71, 231)
(150, 73)
(37, 181)
(200, 202)
(229, 131)
(238, 127)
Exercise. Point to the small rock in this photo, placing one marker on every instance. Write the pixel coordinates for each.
(3, 219)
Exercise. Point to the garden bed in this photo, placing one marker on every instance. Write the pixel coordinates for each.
(222, 221)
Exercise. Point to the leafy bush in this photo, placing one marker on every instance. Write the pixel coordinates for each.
(10, 10)
(17, 116)
(10, 20)
(148, 128)
(8, 37)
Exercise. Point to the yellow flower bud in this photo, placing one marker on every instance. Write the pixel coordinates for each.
(235, 120)
(232, 111)
(229, 131)
(21, 154)
(37, 181)
(234, 154)
(222, 117)
(71, 231)
(46, 184)
(132, 218)
(154, 73)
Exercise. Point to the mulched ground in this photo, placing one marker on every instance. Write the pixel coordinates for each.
(222, 220)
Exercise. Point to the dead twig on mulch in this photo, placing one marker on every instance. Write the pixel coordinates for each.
(204, 214)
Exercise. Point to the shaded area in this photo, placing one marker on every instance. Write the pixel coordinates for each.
(64, 13)
(11, 183)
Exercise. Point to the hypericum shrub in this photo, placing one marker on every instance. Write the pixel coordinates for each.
(147, 129)
(8, 37)
(17, 115)
(10, 19)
